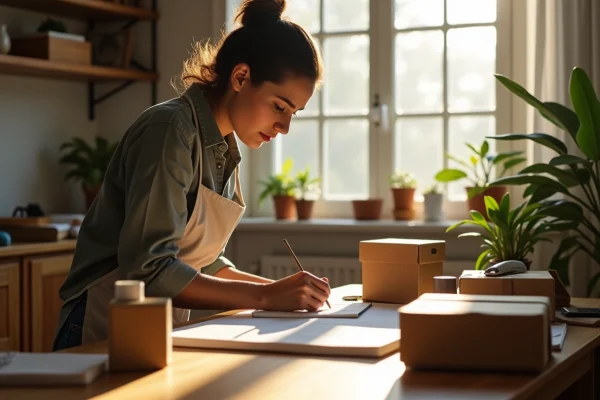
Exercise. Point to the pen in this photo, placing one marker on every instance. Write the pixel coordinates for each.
(298, 262)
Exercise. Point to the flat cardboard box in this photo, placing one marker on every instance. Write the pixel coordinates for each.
(399, 270)
(52, 47)
(450, 333)
(530, 283)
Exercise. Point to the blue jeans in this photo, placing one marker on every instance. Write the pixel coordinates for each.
(70, 334)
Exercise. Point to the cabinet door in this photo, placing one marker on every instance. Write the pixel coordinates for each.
(46, 275)
(10, 305)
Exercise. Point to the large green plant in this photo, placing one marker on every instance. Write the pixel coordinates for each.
(513, 233)
(478, 169)
(89, 163)
(281, 184)
(566, 171)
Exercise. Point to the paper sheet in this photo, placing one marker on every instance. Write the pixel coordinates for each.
(346, 310)
(559, 332)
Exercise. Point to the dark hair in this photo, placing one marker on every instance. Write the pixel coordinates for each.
(273, 47)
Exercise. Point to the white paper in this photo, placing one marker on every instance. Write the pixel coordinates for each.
(346, 310)
(375, 333)
(559, 332)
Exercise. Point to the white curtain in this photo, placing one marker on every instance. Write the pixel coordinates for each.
(563, 34)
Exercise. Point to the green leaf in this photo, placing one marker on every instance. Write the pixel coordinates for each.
(592, 283)
(458, 160)
(568, 159)
(567, 116)
(567, 178)
(473, 149)
(498, 158)
(511, 163)
(474, 191)
(564, 210)
(483, 258)
(541, 193)
(287, 166)
(474, 160)
(546, 111)
(485, 147)
(587, 108)
(490, 203)
(541, 138)
(530, 179)
(449, 175)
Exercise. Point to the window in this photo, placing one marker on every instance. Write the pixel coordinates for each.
(431, 62)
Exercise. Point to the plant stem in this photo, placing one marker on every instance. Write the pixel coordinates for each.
(584, 236)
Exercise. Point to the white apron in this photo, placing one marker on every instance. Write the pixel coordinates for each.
(211, 224)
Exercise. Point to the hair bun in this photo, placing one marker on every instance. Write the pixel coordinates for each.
(259, 12)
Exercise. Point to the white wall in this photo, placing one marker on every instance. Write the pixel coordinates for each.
(36, 116)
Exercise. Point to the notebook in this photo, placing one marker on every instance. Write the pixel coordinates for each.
(347, 310)
(30, 369)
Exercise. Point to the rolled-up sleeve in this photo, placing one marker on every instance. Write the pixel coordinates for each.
(220, 263)
(158, 171)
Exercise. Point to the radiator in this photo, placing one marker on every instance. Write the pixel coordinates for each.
(339, 270)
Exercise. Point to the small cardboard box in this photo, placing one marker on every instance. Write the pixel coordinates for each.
(52, 46)
(530, 283)
(452, 332)
(399, 270)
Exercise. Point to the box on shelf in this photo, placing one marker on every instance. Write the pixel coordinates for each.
(399, 270)
(53, 46)
(530, 283)
(489, 333)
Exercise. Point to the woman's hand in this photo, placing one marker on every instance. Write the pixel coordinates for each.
(301, 291)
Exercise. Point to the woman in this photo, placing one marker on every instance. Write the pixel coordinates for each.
(171, 196)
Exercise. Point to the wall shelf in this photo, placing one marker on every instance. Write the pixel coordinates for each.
(29, 66)
(89, 10)
(92, 11)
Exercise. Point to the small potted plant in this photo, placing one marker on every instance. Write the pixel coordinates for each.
(281, 188)
(513, 233)
(433, 201)
(307, 192)
(89, 163)
(403, 185)
(478, 170)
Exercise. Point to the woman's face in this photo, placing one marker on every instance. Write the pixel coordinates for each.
(259, 113)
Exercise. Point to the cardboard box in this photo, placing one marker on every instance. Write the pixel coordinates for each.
(399, 270)
(452, 332)
(53, 47)
(530, 283)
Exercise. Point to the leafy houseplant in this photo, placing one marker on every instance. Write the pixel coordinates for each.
(403, 185)
(566, 171)
(307, 189)
(433, 200)
(478, 170)
(281, 188)
(513, 233)
(89, 163)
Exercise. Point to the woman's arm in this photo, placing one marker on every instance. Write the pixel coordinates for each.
(237, 275)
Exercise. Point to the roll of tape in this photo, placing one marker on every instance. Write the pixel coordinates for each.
(129, 290)
(444, 284)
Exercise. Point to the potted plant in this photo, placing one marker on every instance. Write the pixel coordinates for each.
(478, 170)
(367, 209)
(433, 201)
(513, 232)
(307, 190)
(403, 185)
(281, 188)
(89, 163)
(566, 171)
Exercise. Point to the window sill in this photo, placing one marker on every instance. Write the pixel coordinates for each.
(346, 225)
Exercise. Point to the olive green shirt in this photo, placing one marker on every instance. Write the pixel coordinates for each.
(147, 197)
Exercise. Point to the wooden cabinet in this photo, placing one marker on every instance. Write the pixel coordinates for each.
(44, 276)
(10, 305)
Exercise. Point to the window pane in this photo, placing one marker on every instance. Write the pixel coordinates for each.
(306, 13)
(471, 11)
(346, 15)
(346, 86)
(301, 144)
(346, 164)
(418, 67)
(419, 148)
(462, 130)
(471, 67)
(418, 13)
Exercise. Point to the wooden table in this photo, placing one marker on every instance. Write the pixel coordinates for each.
(245, 375)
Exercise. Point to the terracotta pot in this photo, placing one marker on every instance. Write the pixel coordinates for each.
(284, 207)
(403, 198)
(90, 194)
(304, 208)
(367, 209)
(477, 203)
